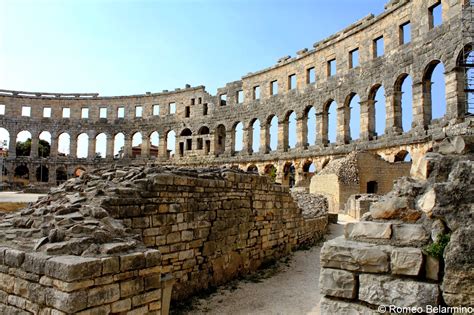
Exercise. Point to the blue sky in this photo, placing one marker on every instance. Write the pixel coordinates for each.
(120, 47)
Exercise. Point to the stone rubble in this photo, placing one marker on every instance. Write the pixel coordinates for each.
(345, 168)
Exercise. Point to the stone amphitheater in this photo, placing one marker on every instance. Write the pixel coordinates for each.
(194, 205)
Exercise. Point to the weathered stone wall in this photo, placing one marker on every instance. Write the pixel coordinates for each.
(396, 257)
(211, 230)
(428, 46)
(36, 283)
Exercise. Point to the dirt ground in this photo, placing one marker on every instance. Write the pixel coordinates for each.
(12, 201)
(291, 287)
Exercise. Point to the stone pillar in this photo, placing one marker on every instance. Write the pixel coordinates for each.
(110, 147)
(342, 128)
(280, 174)
(32, 173)
(421, 105)
(73, 147)
(145, 147)
(34, 146)
(162, 149)
(265, 138)
(393, 112)
(127, 147)
(12, 147)
(229, 142)
(248, 140)
(321, 129)
(367, 120)
(91, 148)
(51, 174)
(53, 152)
(283, 135)
(456, 104)
(302, 132)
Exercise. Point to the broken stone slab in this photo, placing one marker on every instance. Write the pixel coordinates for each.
(354, 256)
(338, 283)
(386, 290)
(331, 307)
(427, 202)
(394, 207)
(406, 261)
(409, 234)
(367, 230)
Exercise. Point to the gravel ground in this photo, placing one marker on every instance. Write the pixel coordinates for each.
(293, 289)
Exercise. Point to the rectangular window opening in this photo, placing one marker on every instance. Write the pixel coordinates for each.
(138, 111)
(240, 97)
(121, 112)
(204, 109)
(310, 75)
(172, 108)
(405, 33)
(103, 112)
(274, 87)
(2, 109)
(187, 111)
(84, 113)
(47, 112)
(223, 99)
(199, 100)
(156, 110)
(26, 111)
(354, 58)
(435, 15)
(66, 112)
(256, 92)
(193, 101)
(332, 67)
(378, 47)
(291, 82)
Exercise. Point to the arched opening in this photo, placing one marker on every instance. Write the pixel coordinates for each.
(171, 143)
(42, 174)
(219, 139)
(404, 101)
(204, 142)
(204, 130)
(289, 174)
(291, 119)
(21, 174)
(252, 169)
(377, 111)
(61, 175)
(23, 143)
(273, 130)
(330, 117)
(154, 143)
(186, 132)
(119, 143)
(309, 169)
(465, 77)
(136, 144)
(256, 136)
(79, 171)
(402, 156)
(238, 136)
(101, 146)
(82, 145)
(311, 125)
(354, 116)
(64, 143)
(4, 142)
(434, 91)
(271, 171)
(44, 144)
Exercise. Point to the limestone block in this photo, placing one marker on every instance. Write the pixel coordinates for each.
(131, 287)
(458, 286)
(367, 230)
(14, 258)
(67, 302)
(103, 295)
(146, 297)
(6, 283)
(121, 306)
(427, 202)
(406, 261)
(132, 261)
(338, 283)
(331, 307)
(72, 268)
(432, 268)
(354, 256)
(386, 290)
(35, 262)
(409, 234)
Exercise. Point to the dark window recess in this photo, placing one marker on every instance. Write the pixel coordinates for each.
(204, 109)
(199, 100)
(192, 101)
(187, 111)
(199, 144)
(189, 144)
(372, 187)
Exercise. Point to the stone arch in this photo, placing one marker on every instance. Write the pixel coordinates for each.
(204, 130)
(289, 174)
(237, 136)
(44, 144)
(219, 140)
(4, 141)
(329, 122)
(61, 175)
(402, 156)
(119, 144)
(403, 102)
(434, 100)
(252, 168)
(170, 143)
(101, 145)
(254, 135)
(21, 174)
(352, 117)
(272, 123)
(186, 132)
(42, 174)
(290, 130)
(309, 123)
(64, 144)
(23, 143)
(137, 141)
(465, 87)
(154, 137)
(376, 117)
(82, 145)
(271, 171)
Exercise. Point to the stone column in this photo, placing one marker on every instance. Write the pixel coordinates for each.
(12, 147)
(109, 147)
(127, 147)
(229, 142)
(248, 140)
(283, 135)
(52, 174)
(321, 129)
(91, 148)
(302, 132)
(367, 120)
(34, 146)
(421, 105)
(145, 147)
(162, 149)
(73, 147)
(456, 104)
(32, 173)
(342, 128)
(265, 138)
(53, 152)
(393, 112)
